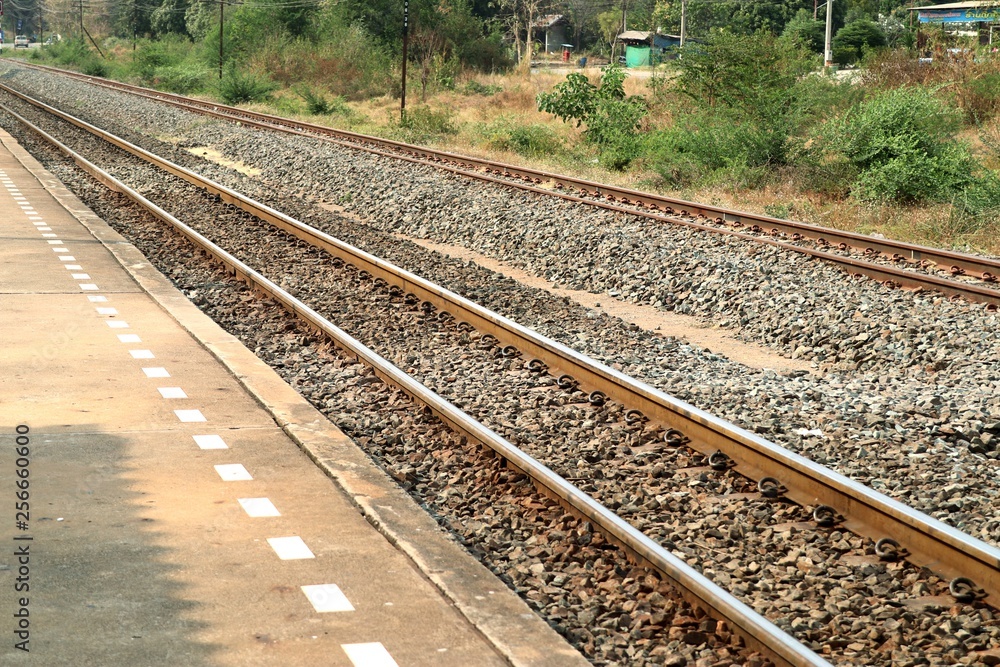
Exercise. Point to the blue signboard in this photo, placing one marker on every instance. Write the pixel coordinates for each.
(980, 15)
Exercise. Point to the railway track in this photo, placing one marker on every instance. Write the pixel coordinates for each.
(650, 414)
(893, 263)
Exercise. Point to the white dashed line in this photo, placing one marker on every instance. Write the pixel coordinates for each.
(55, 242)
(67, 258)
(156, 372)
(190, 415)
(73, 267)
(49, 236)
(129, 338)
(107, 311)
(327, 597)
(171, 392)
(60, 250)
(290, 548)
(369, 655)
(210, 442)
(233, 472)
(88, 287)
(259, 507)
(141, 354)
(97, 299)
(81, 276)
(117, 324)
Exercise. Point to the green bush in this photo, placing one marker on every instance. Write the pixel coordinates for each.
(94, 67)
(237, 87)
(612, 119)
(507, 134)
(475, 88)
(181, 79)
(851, 41)
(902, 143)
(422, 121)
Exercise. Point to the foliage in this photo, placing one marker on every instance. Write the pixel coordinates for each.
(424, 122)
(318, 104)
(94, 66)
(346, 64)
(611, 117)
(473, 87)
(508, 134)
(806, 30)
(168, 18)
(237, 87)
(183, 79)
(967, 78)
(902, 143)
(853, 39)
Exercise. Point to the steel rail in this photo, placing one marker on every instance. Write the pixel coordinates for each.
(757, 631)
(931, 543)
(676, 210)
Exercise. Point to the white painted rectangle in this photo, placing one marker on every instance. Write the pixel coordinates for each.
(327, 598)
(60, 250)
(117, 324)
(156, 372)
(67, 258)
(107, 311)
(171, 392)
(259, 507)
(81, 276)
(73, 267)
(48, 236)
(97, 299)
(88, 287)
(290, 548)
(129, 338)
(210, 442)
(190, 415)
(369, 655)
(233, 472)
(141, 354)
(55, 242)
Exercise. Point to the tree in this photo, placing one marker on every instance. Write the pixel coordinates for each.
(610, 23)
(521, 15)
(807, 31)
(851, 40)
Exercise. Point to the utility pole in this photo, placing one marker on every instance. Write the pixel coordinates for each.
(41, 25)
(828, 50)
(816, 10)
(222, 25)
(406, 43)
(135, 23)
(82, 36)
(684, 6)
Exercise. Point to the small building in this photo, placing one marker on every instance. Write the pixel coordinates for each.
(648, 48)
(553, 32)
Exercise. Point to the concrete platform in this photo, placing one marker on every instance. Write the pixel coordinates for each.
(184, 505)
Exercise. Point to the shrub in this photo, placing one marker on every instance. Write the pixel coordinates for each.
(424, 121)
(473, 87)
(237, 87)
(851, 41)
(529, 140)
(902, 144)
(94, 67)
(612, 118)
(181, 79)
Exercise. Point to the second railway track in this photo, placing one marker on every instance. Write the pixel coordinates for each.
(639, 460)
(893, 263)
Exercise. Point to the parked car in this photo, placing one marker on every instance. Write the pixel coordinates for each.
(20, 42)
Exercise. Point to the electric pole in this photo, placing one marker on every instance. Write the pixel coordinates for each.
(406, 42)
(222, 25)
(828, 50)
(684, 6)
